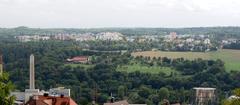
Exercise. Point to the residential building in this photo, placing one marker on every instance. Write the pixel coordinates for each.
(85, 38)
(233, 97)
(189, 40)
(50, 100)
(24, 38)
(197, 41)
(79, 59)
(60, 91)
(27, 38)
(113, 36)
(207, 41)
(124, 102)
(173, 35)
(61, 37)
(204, 96)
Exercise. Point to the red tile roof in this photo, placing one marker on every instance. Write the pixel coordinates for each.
(124, 102)
(78, 59)
(50, 100)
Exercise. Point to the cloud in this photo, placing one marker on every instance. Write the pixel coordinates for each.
(114, 13)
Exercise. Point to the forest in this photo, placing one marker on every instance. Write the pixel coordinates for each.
(102, 78)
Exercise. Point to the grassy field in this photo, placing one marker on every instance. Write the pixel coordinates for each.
(230, 57)
(146, 69)
(173, 55)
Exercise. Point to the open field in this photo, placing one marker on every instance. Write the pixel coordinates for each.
(146, 69)
(230, 57)
(173, 55)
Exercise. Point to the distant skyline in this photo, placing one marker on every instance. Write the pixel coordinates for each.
(119, 13)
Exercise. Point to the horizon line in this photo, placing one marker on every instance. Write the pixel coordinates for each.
(220, 26)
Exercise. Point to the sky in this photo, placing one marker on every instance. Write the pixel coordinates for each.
(119, 13)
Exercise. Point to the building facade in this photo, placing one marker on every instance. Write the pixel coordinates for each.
(205, 96)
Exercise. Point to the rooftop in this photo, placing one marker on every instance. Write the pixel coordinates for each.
(50, 100)
(204, 88)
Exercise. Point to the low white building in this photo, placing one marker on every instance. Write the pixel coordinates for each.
(45, 38)
(27, 38)
(85, 38)
(189, 40)
(60, 91)
(23, 38)
(113, 36)
(197, 41)
(23, 97)
(207, 41)
(233, 97)
(129, 39)
(225, 42)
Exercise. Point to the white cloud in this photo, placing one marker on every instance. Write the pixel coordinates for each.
(115, 13)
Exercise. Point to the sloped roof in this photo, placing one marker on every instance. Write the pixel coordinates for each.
(50, 100)
(124, 102)
(78, 58)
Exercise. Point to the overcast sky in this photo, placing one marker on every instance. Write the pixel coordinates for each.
(119, 13)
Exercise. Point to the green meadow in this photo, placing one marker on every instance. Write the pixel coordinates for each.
(231, 58)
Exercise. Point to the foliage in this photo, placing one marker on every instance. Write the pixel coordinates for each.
(163, 93)
(5, 88)
(218, 31)
(237, 92)
(234, 101)
(103, 77)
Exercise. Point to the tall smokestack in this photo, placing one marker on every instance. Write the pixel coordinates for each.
(32, 71)
(1, 65)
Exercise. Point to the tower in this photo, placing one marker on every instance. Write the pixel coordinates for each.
(32, 71)
(1, 64)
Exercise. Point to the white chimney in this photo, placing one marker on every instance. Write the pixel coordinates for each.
(1, 65)
(32, 71)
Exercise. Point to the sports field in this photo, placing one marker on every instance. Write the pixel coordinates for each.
(230, 57)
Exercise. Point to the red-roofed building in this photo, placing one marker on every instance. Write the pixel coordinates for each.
(124, 102)
(79, 59)
(50, 100)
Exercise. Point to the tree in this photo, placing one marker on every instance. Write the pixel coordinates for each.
(144, 91)
(155, 99)
(136, 98)
(121, 92)
(5, 88)
(234, 101)
(237, 92)
(163, 93)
